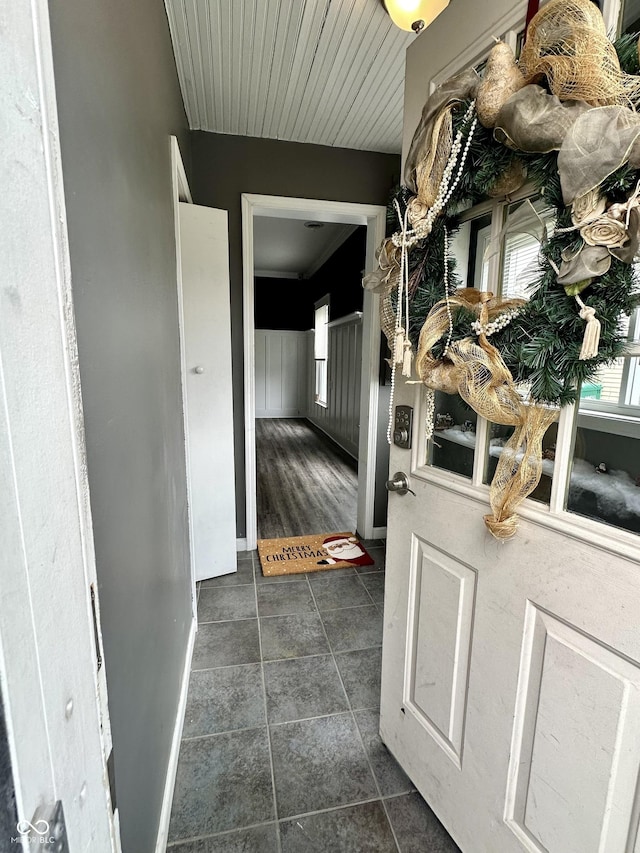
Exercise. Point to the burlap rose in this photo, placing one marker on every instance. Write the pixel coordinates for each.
(588, 207)
(417, 210)
(605, 231)
(382, 279)
(388, 255)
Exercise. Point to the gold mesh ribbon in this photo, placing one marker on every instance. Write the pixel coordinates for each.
(567, 43)
(477, 372)
(518, 471)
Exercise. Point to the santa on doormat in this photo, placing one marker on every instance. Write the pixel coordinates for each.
(344, 549)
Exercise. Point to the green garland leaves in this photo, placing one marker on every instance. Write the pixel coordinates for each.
(541, 346)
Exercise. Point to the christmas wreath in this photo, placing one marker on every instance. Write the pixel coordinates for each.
(563, 119)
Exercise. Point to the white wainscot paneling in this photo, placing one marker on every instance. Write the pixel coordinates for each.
(281, 373)
(340, 418)
(576, 745)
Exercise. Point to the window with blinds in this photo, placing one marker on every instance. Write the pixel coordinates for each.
(520, 267)
(321, 349)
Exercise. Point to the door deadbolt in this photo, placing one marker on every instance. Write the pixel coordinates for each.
(402, 427)
(399, 483)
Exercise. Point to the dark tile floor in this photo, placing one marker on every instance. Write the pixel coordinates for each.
(280, 750)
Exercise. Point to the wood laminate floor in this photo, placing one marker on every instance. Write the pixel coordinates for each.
(304, 484)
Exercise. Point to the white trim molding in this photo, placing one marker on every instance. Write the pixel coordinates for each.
(374, 217)
(182, 193)
(172, 768)
(52, 672)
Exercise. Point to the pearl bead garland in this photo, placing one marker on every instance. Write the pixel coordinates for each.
(446, 292)
(407, 237)
(430, 410)
(446, 190)
(501, 322)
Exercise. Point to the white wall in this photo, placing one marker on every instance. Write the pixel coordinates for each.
(281, 373)
(340, 418)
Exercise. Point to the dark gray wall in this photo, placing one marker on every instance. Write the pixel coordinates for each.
(226, 166)
(289, 303)
(341, 277)
(118, 101)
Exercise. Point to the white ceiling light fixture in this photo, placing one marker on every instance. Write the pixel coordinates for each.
(414, 15)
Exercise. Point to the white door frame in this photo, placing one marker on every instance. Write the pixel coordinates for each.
(374, 217)
(182, 193)
(52, 679)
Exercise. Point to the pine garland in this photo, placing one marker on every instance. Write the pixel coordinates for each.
(541, 346)
(627, 49)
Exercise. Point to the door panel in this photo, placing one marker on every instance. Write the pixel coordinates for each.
(439, 630)
(208, 388)
(576, 739)
(511, 674)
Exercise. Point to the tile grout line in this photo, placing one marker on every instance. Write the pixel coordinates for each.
(299, 816)
(382, 799)
(318, 716)
(275, 660)
(279, 615)
(222, 834)
(363, 585)
(359, 734)
(329, 809)
(275, 725)
(266, 717)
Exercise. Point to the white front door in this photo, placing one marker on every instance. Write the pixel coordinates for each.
(511, 672)
(204, 253)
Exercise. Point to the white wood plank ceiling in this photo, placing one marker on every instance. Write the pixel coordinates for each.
(324, 71)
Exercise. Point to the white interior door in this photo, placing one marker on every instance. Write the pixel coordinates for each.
(511, 672)
(208, 388)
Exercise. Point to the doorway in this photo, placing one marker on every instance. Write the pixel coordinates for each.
(308, 366)
(372, 217)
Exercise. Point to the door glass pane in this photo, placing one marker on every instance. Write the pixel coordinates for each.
(526, 224)
(498, 437)
(631, 16)
(605, 476)
(468, 246)
(454, 435)
(616, 386)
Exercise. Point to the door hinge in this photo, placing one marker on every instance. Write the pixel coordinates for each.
(47, 830)
(96, 633)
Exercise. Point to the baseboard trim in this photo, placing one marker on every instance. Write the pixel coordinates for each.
(170, 782)
(271, 414)
(379, 533)
(337, 442)
(241, 544)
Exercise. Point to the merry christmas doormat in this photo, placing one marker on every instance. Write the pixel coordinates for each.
(314, 553)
